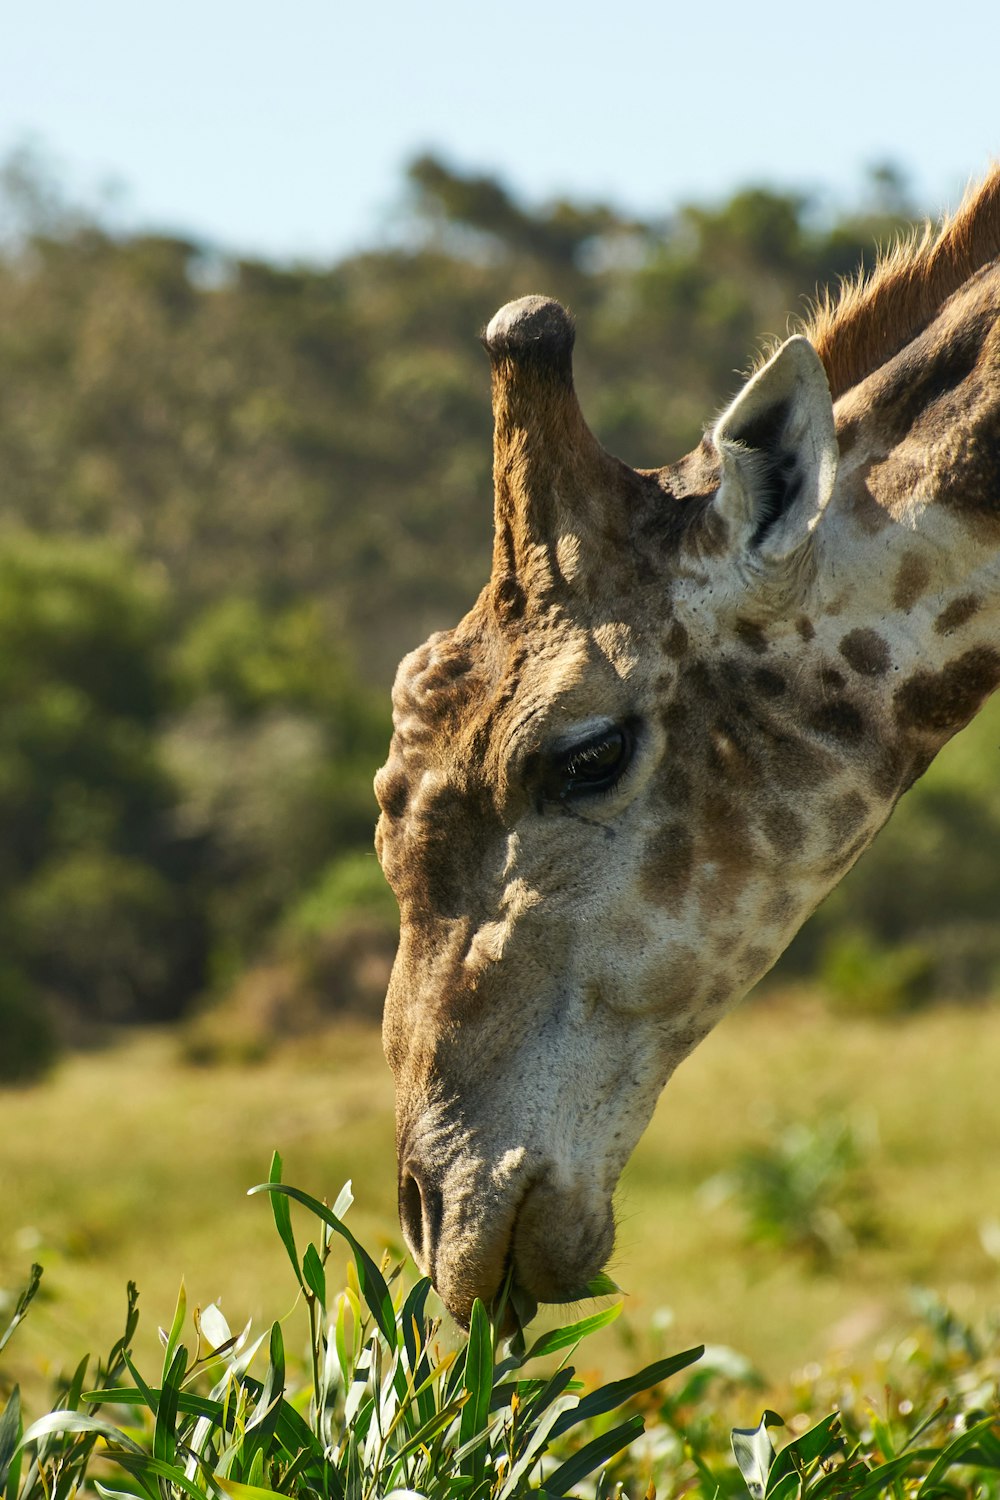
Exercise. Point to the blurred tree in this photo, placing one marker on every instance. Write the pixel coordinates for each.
(91, 875)
(558, 234)
(273, 757)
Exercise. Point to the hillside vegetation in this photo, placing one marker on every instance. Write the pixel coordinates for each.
(232, 494)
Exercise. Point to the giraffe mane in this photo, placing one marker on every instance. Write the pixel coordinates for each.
(872, 317)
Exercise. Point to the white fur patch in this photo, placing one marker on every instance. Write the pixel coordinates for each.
(615, 641)
(568, 555)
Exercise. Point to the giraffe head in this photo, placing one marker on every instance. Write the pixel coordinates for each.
(616, 789)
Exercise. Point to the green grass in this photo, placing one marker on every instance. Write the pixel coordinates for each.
(381, 1405)
(130, 1165)
(929, 1081)
(385, 1412)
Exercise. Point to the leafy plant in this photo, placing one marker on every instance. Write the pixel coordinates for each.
(825, 1461)
(391, 1410)
(804, 1190)
(388, 1411)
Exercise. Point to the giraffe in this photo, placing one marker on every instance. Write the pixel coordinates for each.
(684, 703)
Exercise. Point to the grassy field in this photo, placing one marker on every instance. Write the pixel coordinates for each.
(130, 1164)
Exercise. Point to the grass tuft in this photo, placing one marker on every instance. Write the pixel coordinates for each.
(388, 1409)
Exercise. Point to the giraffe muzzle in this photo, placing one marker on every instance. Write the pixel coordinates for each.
(468, 1231)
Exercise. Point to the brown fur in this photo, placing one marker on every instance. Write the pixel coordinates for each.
(958, 613)
(875, 316)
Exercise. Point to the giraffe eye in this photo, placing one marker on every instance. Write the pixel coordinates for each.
(595, 764)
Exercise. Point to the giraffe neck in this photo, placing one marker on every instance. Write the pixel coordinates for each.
(908, 553)
(917, 581)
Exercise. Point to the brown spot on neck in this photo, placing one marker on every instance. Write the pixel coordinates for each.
(771, 684)
(784, 829)
(669, 863)
(957, 613)
(941, 702)
(752, 635)
(843, 815)
(866, 652)
(676, 641)
(840, 719)
(911, 581)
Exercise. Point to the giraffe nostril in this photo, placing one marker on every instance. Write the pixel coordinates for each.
(420, 1212)
(411, 1211)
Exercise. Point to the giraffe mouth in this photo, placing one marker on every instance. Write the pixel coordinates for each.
(560, 1239)
(554, 1243)
(513, 1307)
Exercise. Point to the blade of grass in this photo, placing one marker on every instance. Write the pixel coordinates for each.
(754, 1452)
(372, 1283)
(107, 1493)
(164, 1428)
(23, 1303)
(150, 1396)
(609, 1397)
(478, 1383)
(71, 1400)
(75, 1421)
(142, 1465)
(172, 1338)
(115, 1360)
(875, 1484)
(313, 1273)
(572, 1333)
(10, 1433)
(955, 1452)
(282, 1216)
(818, 1442)
(592, 1454)
(535, 1442)
(601, 1285)
(238, 1491)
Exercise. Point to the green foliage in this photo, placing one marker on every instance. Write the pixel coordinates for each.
(105, 933)
(389, 1406)
(855, 971)
(805, 1190)
(94, 907)
(161, 809)
(281, 435)
(927, 1457)
(27, 1037)
(351, 885)
(273, 758)
(387, 1410)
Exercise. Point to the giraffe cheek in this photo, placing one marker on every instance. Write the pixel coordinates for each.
(667, 983)
(668, 865)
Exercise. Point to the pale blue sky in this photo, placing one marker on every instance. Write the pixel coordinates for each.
(283, 128)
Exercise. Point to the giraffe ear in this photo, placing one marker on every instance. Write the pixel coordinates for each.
(779, 454)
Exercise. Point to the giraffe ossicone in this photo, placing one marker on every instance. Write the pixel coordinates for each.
(685, 702)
